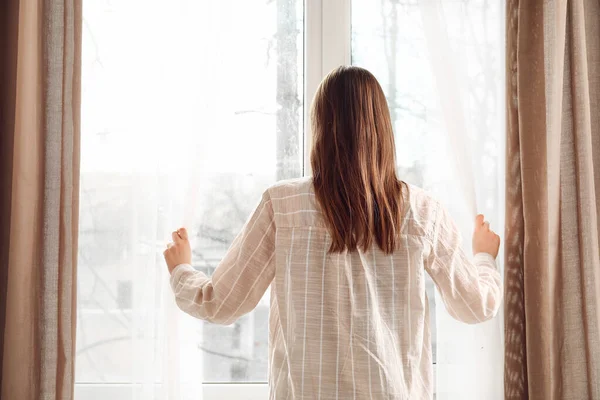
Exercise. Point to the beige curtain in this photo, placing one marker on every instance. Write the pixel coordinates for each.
(552, 307)
(40, 98)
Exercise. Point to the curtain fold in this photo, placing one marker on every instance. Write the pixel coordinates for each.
(552, 185)
(42, 190)
(8, 71)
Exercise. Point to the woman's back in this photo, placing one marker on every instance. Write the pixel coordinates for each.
(344, 325)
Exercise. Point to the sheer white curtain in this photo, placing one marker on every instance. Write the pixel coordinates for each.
(139, 109)
(441, 64)
(470, 88)
(190, 109)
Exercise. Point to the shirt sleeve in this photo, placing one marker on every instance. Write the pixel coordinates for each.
(241, 278)
(471, 289)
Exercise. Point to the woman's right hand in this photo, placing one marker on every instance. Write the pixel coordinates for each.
(484, 239)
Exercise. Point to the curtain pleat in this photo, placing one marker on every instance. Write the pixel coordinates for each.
(515, 367)
(9, 11)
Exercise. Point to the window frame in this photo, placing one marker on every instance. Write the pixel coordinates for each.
(327, 45)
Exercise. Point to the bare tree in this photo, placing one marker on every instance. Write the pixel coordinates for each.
(390, 37)
(288, 102)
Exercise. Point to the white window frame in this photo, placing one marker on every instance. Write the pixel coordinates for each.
(327, 45)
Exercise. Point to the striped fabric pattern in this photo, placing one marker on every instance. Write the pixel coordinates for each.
(351, 325)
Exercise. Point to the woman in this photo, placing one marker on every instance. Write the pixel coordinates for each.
(345, 254)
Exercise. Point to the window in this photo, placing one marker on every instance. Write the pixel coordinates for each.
(190, 109)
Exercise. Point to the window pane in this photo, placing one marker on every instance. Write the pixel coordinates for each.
(390, 39)
(189, 110)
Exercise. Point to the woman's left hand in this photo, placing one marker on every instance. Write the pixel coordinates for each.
(179, 251)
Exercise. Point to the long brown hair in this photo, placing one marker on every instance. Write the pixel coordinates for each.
(354, 162)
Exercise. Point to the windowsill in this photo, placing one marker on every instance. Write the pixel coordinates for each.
(210, 391)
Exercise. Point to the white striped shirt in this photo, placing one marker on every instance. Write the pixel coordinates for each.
(351, 325)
